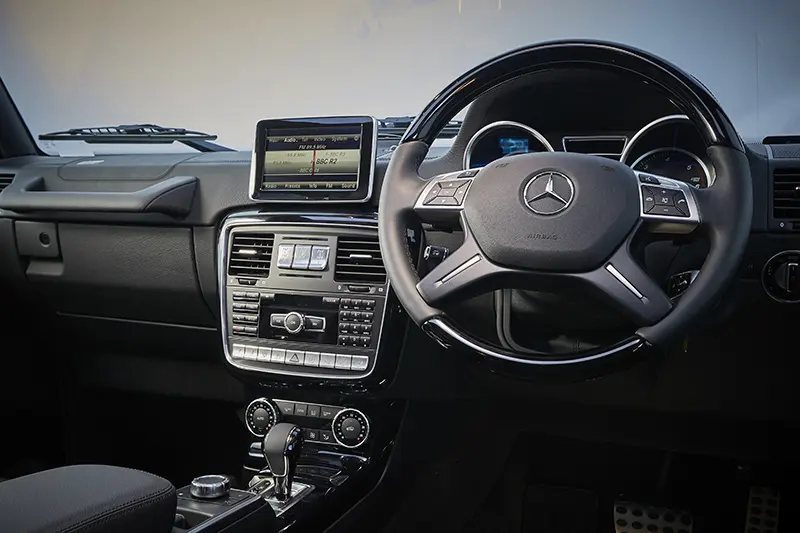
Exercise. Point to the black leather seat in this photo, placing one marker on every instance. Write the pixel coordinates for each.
(87, 498)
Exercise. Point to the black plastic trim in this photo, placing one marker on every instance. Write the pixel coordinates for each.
(173, 197)
(15, 137)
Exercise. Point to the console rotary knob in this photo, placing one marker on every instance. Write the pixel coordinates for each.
(210, 487)
(294, 322)
(350, 428)
(260, 415)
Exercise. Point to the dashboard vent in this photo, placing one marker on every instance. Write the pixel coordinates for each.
(786, 193)
(5, 180)
(358, 260)
(251, 253)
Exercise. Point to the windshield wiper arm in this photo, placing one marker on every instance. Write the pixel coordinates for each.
(138, 134)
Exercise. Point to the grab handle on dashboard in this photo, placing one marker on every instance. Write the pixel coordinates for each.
(172, 196)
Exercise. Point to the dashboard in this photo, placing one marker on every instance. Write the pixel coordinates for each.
(169, 245)
(258, 279)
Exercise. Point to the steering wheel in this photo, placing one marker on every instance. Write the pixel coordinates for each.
(566, 222)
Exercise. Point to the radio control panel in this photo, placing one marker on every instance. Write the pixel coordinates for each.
(304, 333)
(302, 301)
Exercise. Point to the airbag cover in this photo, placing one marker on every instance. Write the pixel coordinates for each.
(552, 211)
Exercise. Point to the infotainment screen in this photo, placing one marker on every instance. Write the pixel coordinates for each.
(314, 159)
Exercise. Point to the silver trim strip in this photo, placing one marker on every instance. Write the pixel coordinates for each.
(454, 335)
(706, 171)
(253, 170)
(461, 268)
(333, 424)
(622, 279)
(646, 128)
(501, 124)
(249, 218)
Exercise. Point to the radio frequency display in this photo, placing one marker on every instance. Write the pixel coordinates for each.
(304, 159)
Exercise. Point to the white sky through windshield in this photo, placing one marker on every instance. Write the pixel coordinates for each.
(221, 66)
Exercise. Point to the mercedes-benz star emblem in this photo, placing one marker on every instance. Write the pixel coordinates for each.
(548, 193)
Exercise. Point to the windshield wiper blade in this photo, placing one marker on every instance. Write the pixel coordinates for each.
(138, 134)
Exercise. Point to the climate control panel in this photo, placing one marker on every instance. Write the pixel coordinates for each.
(260, 416)
(350, 428)
(322, 424)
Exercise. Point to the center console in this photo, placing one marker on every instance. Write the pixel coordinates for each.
(308, 321)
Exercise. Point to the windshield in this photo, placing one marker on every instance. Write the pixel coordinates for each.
(219, 67)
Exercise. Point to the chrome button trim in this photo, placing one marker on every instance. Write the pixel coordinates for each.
(622, 279)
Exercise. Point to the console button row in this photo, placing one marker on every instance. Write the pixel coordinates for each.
(309, 410)
(357, 363)
(245, 307)
(303, 257)
(350, 327)
(354, 340)
(353, 303)
(318, 435)
(356, 316)
(244, 319)
(245, 296)
(245, 331)
(292, 322)
(669, 202)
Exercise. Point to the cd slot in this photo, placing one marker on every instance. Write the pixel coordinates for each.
(305, 239)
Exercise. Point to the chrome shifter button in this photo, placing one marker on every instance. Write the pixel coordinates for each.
(210, 487)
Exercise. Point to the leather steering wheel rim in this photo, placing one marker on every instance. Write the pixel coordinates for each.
(724, 210)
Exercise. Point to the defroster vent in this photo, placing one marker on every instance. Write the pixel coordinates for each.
(5, 180)
(358, 260)
(786, 194)
(251, 253)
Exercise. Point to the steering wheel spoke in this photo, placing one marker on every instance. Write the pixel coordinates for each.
(464, 271)
(667, 205)
(629, 288)
(442, 198)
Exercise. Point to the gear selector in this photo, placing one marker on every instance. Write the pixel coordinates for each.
(281, 448)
